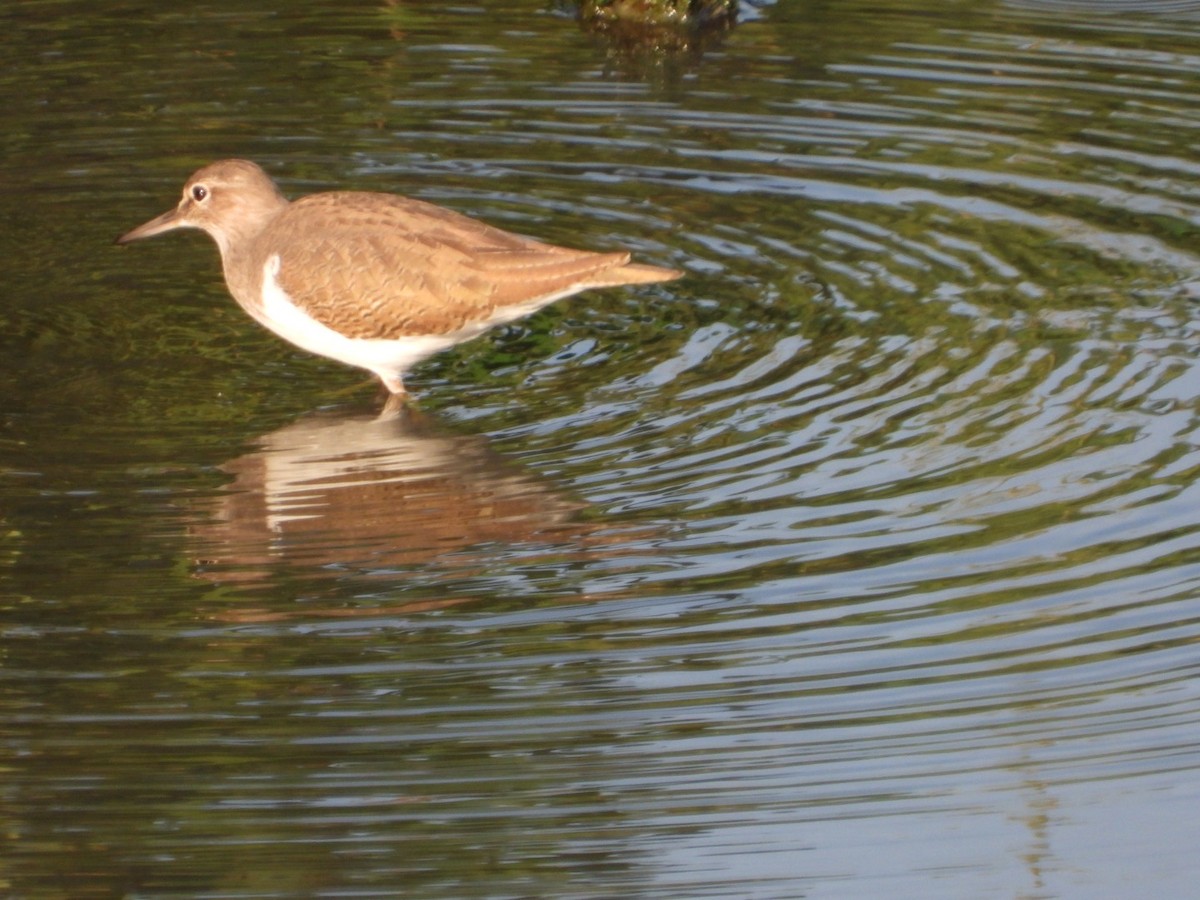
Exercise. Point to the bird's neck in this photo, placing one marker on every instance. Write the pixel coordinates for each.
(238, 234)
(241, 252)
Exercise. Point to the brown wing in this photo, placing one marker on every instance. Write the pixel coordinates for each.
(381, 266)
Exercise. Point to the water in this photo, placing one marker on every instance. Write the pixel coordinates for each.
(863, 561)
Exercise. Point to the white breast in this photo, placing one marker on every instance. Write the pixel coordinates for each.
(387, 358)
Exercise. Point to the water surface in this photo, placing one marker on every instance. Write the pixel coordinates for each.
(863, 561)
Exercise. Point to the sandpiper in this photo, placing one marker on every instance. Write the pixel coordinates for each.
(376, 280)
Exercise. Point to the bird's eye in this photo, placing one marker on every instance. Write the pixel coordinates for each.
(199, 192)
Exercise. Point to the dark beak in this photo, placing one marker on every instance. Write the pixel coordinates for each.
(168, 221)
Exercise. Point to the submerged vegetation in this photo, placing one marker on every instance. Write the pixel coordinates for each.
(659, 13)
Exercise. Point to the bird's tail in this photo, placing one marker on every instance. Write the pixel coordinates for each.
(638, 273)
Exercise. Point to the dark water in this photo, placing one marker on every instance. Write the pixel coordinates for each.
(863, 562)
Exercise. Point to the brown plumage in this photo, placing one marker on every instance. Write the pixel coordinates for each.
(376, 280)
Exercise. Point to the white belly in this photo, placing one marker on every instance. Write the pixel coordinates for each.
(387, 358)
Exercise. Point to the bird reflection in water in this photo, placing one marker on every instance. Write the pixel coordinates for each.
(338, 495)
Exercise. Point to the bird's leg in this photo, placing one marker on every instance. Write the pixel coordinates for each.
(397, 396)
(393, 383)
(395, 405)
